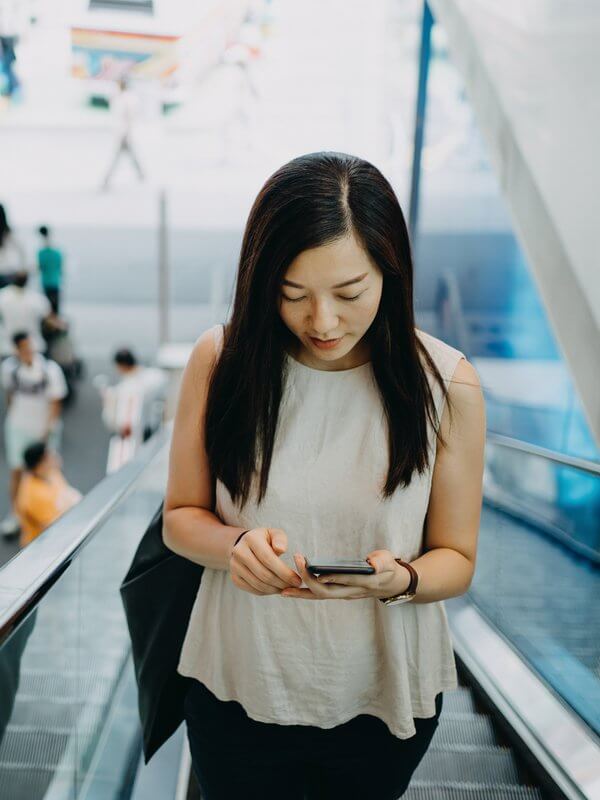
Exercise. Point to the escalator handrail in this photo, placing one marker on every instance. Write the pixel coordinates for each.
(28, 576)
(581, 464)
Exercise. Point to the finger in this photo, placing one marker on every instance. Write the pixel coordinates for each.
(321, 592)
(301, 594)
(246, 553)
(274, 564)
(308, 578)
(278, 540)
(327, 593)
(246, 558)
(256, 583)
(381, 560)
(366, 581)
(241, 584)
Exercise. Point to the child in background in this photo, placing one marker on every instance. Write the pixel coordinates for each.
(50, 262)
(44, 493)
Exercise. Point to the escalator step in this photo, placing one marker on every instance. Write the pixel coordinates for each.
(475, 766)
(38, 683)
(463, 730)
(45, 713)
(29, 747)
(419, 790)
(458, 701)
(18, 783)
(108, 652)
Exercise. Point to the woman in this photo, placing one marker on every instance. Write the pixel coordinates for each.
(367, 447)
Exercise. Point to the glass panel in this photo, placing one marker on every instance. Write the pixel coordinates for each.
(562, 500)
(537, 576)
(41, 687)
(109, 738)
(474, 286)
(69, 726)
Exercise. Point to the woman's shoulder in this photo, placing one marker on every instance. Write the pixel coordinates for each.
(446, 358)
(206, 349)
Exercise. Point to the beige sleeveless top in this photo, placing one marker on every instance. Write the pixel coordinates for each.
(313, 662)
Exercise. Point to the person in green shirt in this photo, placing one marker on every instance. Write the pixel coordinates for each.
(50, 265)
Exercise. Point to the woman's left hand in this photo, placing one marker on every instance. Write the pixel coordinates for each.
(389, 579)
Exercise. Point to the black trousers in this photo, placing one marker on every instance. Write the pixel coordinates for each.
(53, 295)
(234, 756)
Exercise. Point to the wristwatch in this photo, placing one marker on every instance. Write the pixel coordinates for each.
(409, 593)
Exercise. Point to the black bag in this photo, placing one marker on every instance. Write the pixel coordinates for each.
(158, 593)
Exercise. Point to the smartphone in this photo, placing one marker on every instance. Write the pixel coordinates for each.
(335, 566)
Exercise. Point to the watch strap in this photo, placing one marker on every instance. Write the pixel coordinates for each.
(412, 586)
(414, 576)
(240, 536)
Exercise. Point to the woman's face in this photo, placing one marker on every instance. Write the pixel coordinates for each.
(314, 308)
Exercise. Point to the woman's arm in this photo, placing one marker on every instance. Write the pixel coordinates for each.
(452, 525)
(190, 528)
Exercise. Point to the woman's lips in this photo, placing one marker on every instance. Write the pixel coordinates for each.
(326, 345)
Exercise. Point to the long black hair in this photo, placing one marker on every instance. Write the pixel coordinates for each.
(311, 201)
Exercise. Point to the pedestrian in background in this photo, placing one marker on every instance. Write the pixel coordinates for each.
(44, 494)
(12, 252)
(50, 265)
(133, 406)
(125, 107)
(35, 388)
(24, 309)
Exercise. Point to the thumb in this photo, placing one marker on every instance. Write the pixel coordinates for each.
(382, 560)
(278, 540)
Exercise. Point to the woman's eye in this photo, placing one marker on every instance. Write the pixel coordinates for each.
(297, 299)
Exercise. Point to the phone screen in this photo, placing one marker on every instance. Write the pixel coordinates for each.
(336, 566)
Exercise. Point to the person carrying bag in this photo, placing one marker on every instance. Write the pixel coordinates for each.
(326, 470)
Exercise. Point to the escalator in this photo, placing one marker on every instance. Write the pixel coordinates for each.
(69, 725)
(468, 758)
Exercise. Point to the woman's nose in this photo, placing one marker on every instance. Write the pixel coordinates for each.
(324, 318)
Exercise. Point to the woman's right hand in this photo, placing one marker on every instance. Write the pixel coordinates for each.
(255, 566)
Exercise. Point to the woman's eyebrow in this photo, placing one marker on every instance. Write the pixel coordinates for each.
(337, 286)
